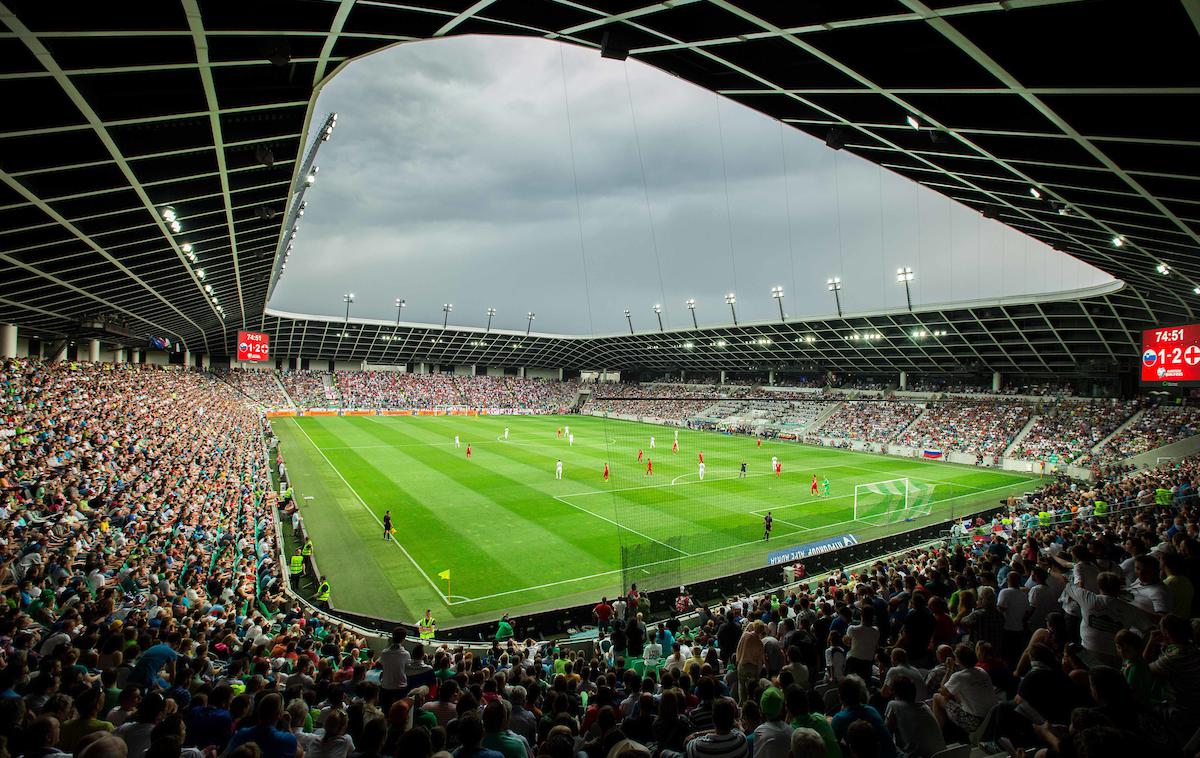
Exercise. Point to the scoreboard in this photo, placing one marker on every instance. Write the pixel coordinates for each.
(252, 346)
(1171, 354)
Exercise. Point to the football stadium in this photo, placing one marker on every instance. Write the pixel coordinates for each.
(572, 378)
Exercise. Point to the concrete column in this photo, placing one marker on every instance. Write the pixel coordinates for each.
(137, 356)
(8, 340)
(205, 361)
(474, 370)
(521, 372)
(995, 381)
(903, 379)
(94, 351)
(187, 359)
(560, 374)
(771, 377)
(120, 356)
(722, 376)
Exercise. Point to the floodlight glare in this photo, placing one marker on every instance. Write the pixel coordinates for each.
(834, 284)
(1118, 241)
(911, 120)
(1036, 195)
(730, 299)
(186, 247)
(657, 308)
(904, 274)
(1163, 269)
(168, 213)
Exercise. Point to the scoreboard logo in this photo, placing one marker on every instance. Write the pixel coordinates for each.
(1149, 357)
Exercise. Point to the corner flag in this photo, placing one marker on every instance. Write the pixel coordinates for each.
(445, 575)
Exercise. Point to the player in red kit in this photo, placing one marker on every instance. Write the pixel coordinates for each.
(760, 441)
(778, 468)
(649, 467)
(813, 491)
(701, 456)
(675, 446)
(639, 455)
(468, 451)
(606, 472)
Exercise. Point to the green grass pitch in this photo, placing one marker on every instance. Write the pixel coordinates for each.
(515, 538)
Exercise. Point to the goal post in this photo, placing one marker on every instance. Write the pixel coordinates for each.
(891, 501)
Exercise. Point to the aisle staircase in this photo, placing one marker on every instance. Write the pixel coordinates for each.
(1128, 423)
(332, 393)
(291, 400)
(1021, 435)
(824, 416)
(911, 424)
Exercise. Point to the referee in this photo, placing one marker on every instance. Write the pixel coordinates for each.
(768, 522)
(387, 525)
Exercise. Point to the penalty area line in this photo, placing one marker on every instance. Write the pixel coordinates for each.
(619, 525)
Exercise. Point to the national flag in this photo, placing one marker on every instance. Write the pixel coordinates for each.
(445, 575)
(932, 454)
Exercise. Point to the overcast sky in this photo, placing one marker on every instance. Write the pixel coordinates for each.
(526, 175)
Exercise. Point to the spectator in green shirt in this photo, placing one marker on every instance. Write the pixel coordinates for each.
(496, 735)
(801, 717)
(504, 630)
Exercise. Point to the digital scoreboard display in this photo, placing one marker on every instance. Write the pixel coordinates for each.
(1171, 354)
(252, 346)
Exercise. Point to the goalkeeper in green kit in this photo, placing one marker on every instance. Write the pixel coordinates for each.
(825, 486)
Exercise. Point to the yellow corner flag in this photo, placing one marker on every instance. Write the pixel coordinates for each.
(445, 575)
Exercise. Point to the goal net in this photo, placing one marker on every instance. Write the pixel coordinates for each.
(892, 501)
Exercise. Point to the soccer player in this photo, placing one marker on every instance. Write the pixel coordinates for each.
(676, 435)
(813, 490)
(652, 442)
(701, 454)
(387, 525)
(701, 470)
(742, 473)
(456, 442)
(639, 455)
(675, 446)
(506, 434)
(558, 469)
(606, 471)
(778, 468)
(567, 431)
(768, 522)
(825, 486)
(759, 441)
(571, 440)
(468, 451)
(774, 462)
(649, 467)
(560, 432)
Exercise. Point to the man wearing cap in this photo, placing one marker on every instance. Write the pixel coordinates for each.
(773, 737)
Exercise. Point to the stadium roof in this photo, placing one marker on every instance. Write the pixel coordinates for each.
(115, 112)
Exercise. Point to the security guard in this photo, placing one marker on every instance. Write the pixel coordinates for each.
(1101, 508)
(307, 549)
(296, 568)
(323, 594)
(427, 627)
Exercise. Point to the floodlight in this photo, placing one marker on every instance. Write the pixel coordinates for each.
(1163, 269)
(1118, 241)
(912, 121)
(1034, 192)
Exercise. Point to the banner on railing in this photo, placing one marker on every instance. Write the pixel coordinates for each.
(811, 549)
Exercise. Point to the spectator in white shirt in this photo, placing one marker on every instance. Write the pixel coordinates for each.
(967, 696)
(1013, 603)
(862, 638)
(1149, 593)
(393, 680)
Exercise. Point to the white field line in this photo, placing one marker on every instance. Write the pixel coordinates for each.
(611, 572)
(619, 526)
(363, 503)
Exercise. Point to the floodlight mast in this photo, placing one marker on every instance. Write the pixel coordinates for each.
(490, 313)
(347, 298)
(904, 275)
(400, 303)
(835, 286)
(777, 293)
(529, 325)
(658, 312)
(629, 319)
(446, 308)
(691, 304)
(731, 301)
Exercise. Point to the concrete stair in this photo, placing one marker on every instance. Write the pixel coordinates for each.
(1125, 425)
(1021, 435)
(820, 420)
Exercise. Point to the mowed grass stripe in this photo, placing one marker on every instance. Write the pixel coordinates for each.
(472, 505)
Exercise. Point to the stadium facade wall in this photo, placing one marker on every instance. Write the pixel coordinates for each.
(543, 373)
(1180, 449)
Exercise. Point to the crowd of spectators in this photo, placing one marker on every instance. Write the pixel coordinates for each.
(870, 420)
(144, 618)
(1069, 430)
(260, 386)
(984, 428)
(1159, 425)
(310, 389)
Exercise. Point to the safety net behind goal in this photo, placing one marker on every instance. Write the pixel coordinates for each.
(892, 501)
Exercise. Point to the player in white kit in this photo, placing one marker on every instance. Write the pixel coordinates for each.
(456, 442)
(676, 435)
(567, 429)
(570, 439)
(651, 442)
(774, 462)
(701, 472)
(506, 432)
(558, 469)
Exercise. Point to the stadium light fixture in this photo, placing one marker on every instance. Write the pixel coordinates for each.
(1163, 269)
(200, 273)
(311, 179)
(400, 303)
(1118, 241)
(912, 121)
(208, 288)
(529, 325)
(658, 312)
(1033, 191)
(834, 285)
(491, 312)
(347, 298)
(691, 304)
(303, 205)
(168, 213)
(904, 275)
(186, 248)
(731, 301)
(176, 226)
(327, 129)
(629, 319)
(777, 293)
(446, 308)
(1196, 290)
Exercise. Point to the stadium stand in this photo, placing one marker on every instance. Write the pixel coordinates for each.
(311, 389)
(145, 606)
(986, 428)
(260, 386)
(870, 421)
(1159, 425)
(1070, 430)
